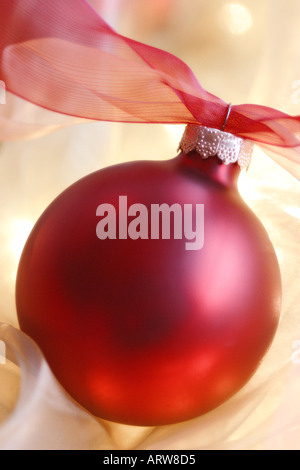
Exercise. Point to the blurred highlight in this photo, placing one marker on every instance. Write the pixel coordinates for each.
(2, 352)
(236, 18)
(20, 229)
(2, 92)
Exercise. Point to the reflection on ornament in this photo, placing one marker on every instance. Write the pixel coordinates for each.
(236, 18)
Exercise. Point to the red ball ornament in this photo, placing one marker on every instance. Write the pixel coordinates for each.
(151, 330)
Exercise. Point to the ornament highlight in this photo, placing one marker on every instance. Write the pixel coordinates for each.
(143, 331)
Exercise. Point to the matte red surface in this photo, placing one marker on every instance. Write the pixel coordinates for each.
(145, 332)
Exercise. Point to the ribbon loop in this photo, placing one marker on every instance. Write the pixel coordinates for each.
(64, 57)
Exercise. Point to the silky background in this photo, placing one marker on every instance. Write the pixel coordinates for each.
(247, 51)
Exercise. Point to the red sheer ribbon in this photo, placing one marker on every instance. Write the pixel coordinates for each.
(61, 55)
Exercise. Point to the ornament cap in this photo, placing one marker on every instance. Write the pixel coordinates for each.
(210, 142)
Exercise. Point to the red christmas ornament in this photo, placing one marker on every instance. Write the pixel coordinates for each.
(142, 321)
(146, 326)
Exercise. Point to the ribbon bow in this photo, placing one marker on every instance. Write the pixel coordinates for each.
(61, 55)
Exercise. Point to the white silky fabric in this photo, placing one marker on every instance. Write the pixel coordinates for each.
(44, 417)
(260, 66)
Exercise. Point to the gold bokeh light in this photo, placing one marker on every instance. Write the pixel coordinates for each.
(236, 18)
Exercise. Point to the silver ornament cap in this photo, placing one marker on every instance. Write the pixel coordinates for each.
(210, 142)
